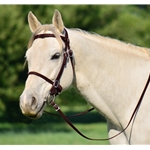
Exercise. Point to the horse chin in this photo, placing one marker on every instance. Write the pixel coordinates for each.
(34, 117)
(33, 114)
(37, 116)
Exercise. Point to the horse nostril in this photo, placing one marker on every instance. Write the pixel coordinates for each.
(34, 102)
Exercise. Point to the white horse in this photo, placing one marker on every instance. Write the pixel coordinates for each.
(110, 74)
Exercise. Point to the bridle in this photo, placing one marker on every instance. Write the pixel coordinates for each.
(57, 88)
(68, 53)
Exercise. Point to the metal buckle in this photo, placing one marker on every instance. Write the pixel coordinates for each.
(55, 84)
(56, 107)
(66, 54)
(49, 98)
(50, 101)
(70, 53)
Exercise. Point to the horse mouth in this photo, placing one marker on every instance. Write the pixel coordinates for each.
(36, 115)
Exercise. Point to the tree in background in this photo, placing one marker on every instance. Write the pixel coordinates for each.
(129, 23)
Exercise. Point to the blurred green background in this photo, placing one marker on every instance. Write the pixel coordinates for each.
(129, 23)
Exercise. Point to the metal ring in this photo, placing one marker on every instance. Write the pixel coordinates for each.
(70, 53)
(56, 83)
(50, 98)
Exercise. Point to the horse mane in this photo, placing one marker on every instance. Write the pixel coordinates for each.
(114, 44)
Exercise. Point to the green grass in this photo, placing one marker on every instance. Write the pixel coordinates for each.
(51, 134)
(51, 130)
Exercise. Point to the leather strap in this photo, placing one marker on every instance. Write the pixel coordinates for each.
(55, 90)
(57, 108)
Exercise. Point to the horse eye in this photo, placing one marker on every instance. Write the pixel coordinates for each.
(55, 56)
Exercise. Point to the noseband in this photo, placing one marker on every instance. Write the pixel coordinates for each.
(68, 53)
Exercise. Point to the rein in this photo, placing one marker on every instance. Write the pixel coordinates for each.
(57, 108)
(57, 88)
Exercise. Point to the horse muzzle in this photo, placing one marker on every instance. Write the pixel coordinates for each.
(31, 107)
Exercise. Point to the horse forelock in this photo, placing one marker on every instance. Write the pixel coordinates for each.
(44, 29)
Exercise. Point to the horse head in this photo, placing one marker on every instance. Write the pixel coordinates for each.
(47, 66)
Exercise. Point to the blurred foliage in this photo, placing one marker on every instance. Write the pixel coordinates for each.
(129, 23)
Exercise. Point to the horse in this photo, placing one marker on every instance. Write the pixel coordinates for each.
(110, 75)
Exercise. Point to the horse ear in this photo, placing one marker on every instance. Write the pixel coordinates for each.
(33, 22)
(58, 22)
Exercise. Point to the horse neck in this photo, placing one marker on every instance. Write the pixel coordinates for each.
(103, 75)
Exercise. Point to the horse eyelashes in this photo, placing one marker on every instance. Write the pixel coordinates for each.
(55, 56)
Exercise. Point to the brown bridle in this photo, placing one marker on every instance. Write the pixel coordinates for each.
(68, 53)
(57, 88)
